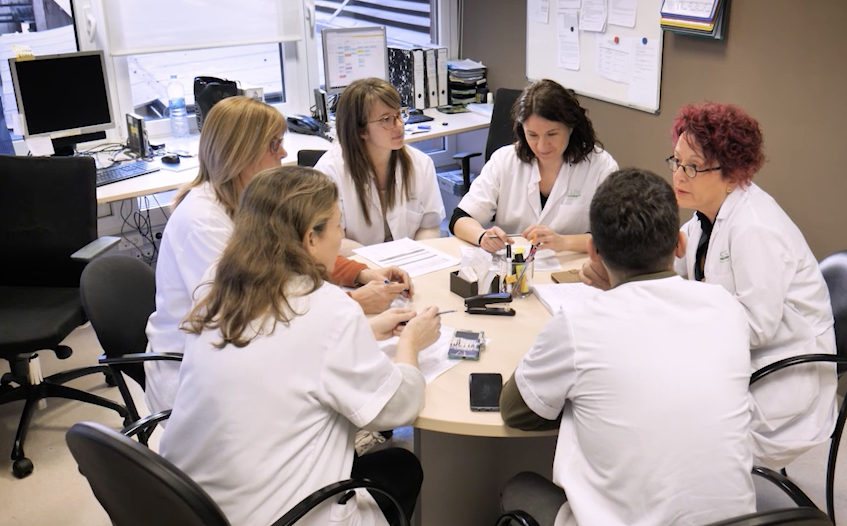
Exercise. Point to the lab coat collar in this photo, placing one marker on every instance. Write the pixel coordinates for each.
(731, 201)
(532, 185)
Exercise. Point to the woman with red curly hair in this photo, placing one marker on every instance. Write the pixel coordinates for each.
(741, 239)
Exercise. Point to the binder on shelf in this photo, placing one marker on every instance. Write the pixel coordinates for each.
(431, 78)
(401, 73)
(441, 67)
(420, 78)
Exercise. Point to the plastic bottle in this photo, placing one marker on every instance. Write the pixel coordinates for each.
(176, 108)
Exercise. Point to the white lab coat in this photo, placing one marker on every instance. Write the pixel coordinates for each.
(655, 428)
(507, 190)
(195, 236)
(758, 254)
(263, 426)
(424, 209)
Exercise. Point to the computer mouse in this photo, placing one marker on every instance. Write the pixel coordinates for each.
(170, 159)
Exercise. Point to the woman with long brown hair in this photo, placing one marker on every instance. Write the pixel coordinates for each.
(387, 190)
(282, 367)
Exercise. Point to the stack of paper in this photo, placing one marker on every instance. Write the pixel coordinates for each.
(415, 258)
(695, 17)
(554, 295)
(466, 80)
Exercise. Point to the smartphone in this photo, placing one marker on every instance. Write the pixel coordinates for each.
(485, 391)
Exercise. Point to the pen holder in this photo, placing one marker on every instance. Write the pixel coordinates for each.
(467, 289)
(524, 284)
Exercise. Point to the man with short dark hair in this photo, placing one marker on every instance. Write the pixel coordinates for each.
(647, 382)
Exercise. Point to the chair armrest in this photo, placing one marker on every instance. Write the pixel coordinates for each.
(465, 158)
(785, 484)
(519, 516)
(140, 358)
(147, 422)
(95, 248)
(795, 360)
(309, 503)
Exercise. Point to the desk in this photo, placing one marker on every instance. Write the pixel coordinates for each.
(165, 180)
(466, 456)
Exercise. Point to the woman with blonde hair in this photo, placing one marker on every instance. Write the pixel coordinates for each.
(280, 390)
(240, 138)
(387, 190)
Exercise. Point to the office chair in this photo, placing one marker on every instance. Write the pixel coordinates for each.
(118, 295)
(834, 270)
(792, 516)
(500, 131)
(137, 487)
(48, 224)
(519, 517)
(309, 158)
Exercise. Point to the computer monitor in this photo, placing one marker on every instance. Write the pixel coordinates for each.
(64, 97)
(352, 54)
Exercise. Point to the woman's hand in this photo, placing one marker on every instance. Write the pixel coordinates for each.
(594, 273)
(390, 323)
(422, 330)
(389, 274)
(495, 239)
(545, 238)
(377, 296)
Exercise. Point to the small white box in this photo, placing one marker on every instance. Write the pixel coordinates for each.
(254, 92)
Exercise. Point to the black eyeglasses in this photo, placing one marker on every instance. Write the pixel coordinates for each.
(689, 170)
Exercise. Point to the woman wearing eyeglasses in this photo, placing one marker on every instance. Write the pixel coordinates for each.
(741, 239)
(541, 185)
(387, 190)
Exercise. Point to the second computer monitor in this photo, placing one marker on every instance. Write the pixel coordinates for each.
(352, 54)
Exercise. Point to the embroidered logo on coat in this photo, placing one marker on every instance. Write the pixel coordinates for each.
(724, 256)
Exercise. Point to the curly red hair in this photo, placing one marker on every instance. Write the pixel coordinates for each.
(726, 134)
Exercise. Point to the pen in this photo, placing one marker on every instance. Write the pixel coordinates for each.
(492, 236)
(439, 314)
(389, 282)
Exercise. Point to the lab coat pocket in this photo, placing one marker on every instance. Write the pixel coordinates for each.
(414, 217)
(719, 271)
(571, 217)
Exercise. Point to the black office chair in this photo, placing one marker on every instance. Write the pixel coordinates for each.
(118, 294)
(48, 227)
(834, 269)
(519, 517)
(309, 158)
(792, 516)
(137, 487)
(500, 131)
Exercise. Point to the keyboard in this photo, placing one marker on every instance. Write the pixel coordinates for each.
(122, 171)
(416, 118)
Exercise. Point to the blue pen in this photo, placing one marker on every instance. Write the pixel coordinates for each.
(388, 282)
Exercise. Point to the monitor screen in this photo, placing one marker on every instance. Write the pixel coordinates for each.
(352, 54)
(62, 95)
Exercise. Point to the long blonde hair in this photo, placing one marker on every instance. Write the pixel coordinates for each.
(351, 122)
(236, 133)
(266, 252)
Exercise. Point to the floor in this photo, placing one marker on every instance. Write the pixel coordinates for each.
(57, 494)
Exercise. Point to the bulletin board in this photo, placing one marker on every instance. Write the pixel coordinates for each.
(621, 65)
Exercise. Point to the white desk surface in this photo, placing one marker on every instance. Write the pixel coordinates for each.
(164, 180)
(447, 408)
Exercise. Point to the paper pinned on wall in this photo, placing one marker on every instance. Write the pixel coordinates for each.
(592, 16)
(568, 37)
(568, 5)
(622, 12)
(614, 58)
(539, 11)
(643, 89)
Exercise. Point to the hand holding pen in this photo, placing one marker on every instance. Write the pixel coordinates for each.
(388, 275)
(546, 237)
(494, 239)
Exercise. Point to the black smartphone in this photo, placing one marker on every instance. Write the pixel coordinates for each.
(485, 391)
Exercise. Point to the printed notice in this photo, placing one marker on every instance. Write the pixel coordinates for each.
(622, 12)
(538, 11)
(614, 58)
(644, 88)
(567, 5)
(568, 40)
(592, 17)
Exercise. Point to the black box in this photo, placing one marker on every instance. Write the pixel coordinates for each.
(466, 290)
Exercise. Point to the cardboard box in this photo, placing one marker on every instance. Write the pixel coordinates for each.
(466, 290)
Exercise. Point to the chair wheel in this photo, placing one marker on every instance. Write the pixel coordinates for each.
(22, 468)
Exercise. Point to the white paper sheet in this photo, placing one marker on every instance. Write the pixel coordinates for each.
(643, 87)
(433, 360)
(592, 16)
(554, 295)
(568, 5)
(538, 11)
(40, 146)
(415, 258)
(568, 41)
(622, 12)
(614, 59)
(694, 8)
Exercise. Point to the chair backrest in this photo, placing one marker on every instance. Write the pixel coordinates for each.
(118, 295)
(500, 132)
(136, 486)
(48, 210)
(792, 516)
(834, 269)
(309, 157)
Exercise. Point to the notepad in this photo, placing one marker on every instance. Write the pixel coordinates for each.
(554, 295)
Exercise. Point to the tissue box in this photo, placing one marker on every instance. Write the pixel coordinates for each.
(466, 290)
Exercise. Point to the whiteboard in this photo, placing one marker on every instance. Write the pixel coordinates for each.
(622, 65)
